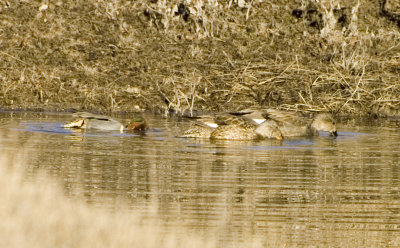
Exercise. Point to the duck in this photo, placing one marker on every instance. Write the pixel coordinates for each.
(87, 120)
(294, 124)
(202, 127)
(229, 127)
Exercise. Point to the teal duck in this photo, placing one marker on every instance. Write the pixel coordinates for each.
(87, 120)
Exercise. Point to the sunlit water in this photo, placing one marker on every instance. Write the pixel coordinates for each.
(317, 192)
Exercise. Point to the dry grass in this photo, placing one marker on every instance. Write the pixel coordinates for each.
(334, 55)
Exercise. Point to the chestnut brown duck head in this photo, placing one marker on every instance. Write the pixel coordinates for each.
(138, 123)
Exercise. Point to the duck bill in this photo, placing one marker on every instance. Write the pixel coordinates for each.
(334, 133)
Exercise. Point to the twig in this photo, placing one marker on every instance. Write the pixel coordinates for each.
(355, 90)
(17, 59)
(248, 10)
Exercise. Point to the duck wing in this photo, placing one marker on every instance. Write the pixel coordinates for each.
(213, 122)
(206, 121)
(253, 114)
(87, 115)
(245, 111)
(232, 120)
(286, 117)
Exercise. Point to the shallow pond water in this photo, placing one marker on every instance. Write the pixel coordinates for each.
(322, 191)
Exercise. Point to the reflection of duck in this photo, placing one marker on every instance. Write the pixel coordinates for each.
(231, 128)
(293, 124)
(92, 121)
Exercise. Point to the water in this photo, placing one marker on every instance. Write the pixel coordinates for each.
(322, 191)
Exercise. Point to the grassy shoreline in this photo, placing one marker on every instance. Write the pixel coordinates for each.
(125, 56)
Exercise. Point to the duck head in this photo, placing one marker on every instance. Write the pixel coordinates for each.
(138, 123)
(269, 129)
(325, 122)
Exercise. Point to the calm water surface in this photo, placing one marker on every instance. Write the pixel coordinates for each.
(317, 192)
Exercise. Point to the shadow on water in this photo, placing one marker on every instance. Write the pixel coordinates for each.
(294, 192)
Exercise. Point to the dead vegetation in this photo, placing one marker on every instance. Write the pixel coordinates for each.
(182, 56)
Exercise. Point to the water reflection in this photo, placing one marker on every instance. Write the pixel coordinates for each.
(340, 191)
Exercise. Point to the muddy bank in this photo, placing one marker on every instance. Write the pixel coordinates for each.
(339, 56)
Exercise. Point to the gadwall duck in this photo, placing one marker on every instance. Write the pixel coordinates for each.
(231, 128)
(293, 124)
(101, 122)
